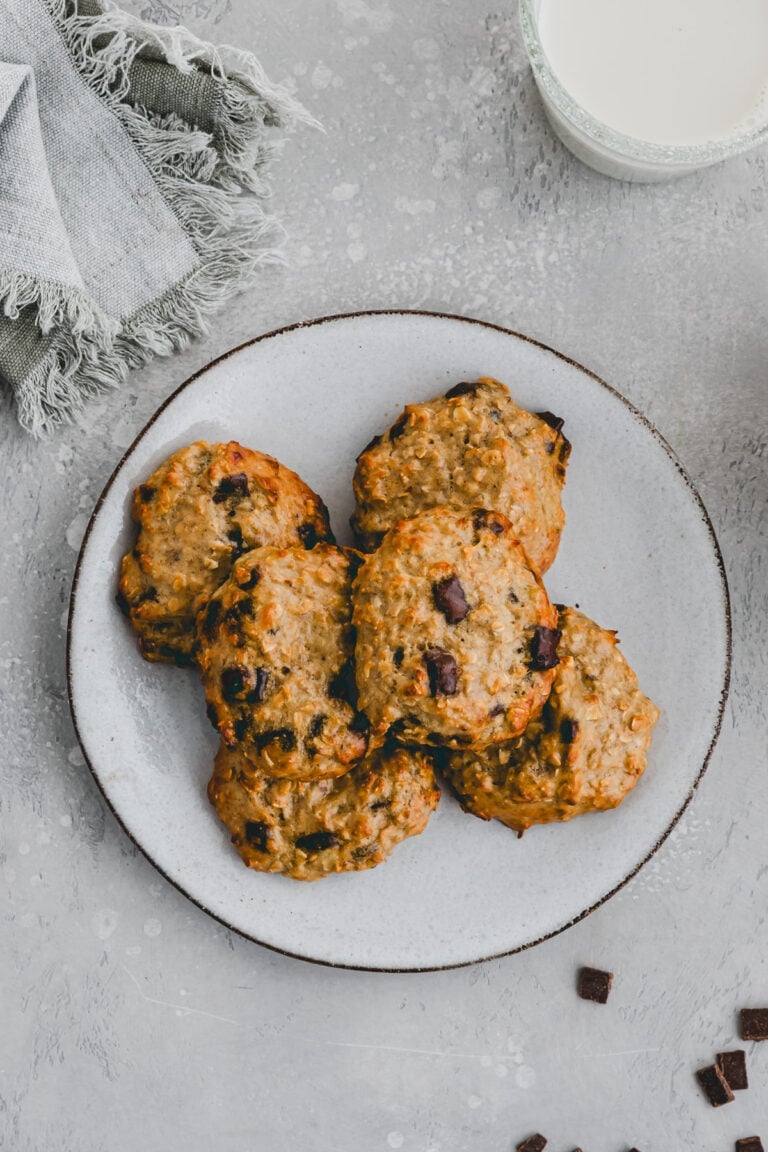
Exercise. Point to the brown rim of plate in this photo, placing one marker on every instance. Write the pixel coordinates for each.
(637, 415)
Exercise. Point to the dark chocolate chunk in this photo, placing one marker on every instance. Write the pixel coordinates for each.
(749, 1144)
(714, 1085)
(122, 602)
(565, 449)
(239, 683)
(497, 710)
(212, 715)
(482, 518)
(343, 685)
(754, 1023)
(146, 493)
(308, 535)
(398, 427)
(569, 730)
(555, 422)
(317, 841)
(495, 415)
(285, 737)
(359, 723)
(371, 444)
(594, 984)
(148, 595)
(544, 649)
(465, 388)
(378, 805)
(549, 447)
(450, 599)
(257, 833)
(442, 671)
(233, 683)
(513, 597)
(234, 485)
(241, 726)
(733, 1066)
(534, 1143)
(398, 656)
(251, 580)
(316, 725)
(238, 610)
(258, 691)
(235, 536)
(211, 618)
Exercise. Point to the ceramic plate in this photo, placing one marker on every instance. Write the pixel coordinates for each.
(638, 555)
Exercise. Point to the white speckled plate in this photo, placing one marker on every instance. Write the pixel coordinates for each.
(638, 555)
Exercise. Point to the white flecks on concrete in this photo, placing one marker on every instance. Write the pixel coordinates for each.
(395, 1139)
(152, 927)
(104, 922)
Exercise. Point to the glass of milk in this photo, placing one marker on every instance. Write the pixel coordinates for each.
(651, 89)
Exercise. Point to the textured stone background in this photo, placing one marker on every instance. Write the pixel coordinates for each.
(128, 1019)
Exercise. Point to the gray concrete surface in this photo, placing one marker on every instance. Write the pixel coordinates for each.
(130, 1020)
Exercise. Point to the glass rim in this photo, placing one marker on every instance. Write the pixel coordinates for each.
(627, 147)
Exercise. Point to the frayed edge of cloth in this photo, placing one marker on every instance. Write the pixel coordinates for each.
(213, 183)
(56, 305)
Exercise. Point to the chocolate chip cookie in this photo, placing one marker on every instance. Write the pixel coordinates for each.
(585, 751)
(308, 829)
(472, 447)
(275, 657)
(204, 506)
(456, 637)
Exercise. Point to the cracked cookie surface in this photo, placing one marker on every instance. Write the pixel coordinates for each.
(275, 653)
(456, 637)
(308, 829)
(585, 751)
(472, 447)
(201, 508)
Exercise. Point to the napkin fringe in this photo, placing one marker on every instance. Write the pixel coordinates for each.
(56, 305)
(211, 181)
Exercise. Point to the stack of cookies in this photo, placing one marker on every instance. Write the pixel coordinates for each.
(337, 679)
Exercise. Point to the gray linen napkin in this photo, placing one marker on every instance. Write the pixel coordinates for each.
(131, 194)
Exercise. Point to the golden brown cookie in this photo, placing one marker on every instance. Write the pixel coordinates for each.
(308, 829)
(472, 447)
(456, 637)
(204, 506)
(275, 652)
(585, 751)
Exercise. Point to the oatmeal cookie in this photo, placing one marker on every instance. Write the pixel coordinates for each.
(307, 829)
(585, 751)
(203, 507)
(471, 447)
(456, 637)
(275, 659)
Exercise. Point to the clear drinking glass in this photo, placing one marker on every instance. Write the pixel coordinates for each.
(601, 147)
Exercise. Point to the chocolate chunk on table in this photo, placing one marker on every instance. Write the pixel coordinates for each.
(733, 1066)
(754, 1023)
(714, 1085)
(534, 1143)
(749, 1144)
(594, 984)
